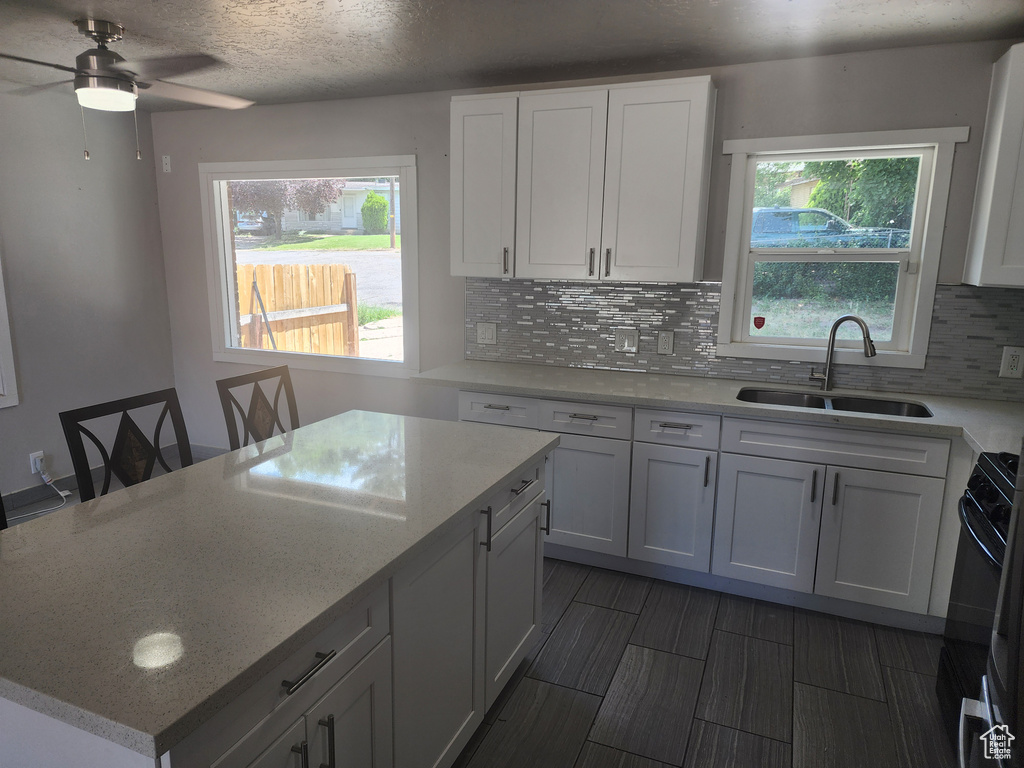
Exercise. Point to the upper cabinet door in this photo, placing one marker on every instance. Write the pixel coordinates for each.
(560, 184)
(483, 186)
(656, 174)
(994, 253)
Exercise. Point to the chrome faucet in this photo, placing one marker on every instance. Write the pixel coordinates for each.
(869, 350)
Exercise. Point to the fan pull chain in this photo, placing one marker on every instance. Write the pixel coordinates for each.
(138, 152)
(85, 137)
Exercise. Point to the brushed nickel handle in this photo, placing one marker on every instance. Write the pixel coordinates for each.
(331, 759)
(707, 470)
(504, 262)
(493, 407)
(526, 484)
(607, 262)
(322, 659)
(835, 490)
(591, 262)
(547, 521)
(814, 485)
(303, 751)
(672, 425)
(583, 416)
(490, 522)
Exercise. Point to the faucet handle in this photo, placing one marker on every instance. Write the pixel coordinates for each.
(820, 377)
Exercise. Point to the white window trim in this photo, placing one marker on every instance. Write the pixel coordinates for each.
(218, 245)
(918, 327)
(8, 381)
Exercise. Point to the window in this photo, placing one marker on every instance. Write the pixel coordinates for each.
(295, 281)
(8, 383)
(822, 226)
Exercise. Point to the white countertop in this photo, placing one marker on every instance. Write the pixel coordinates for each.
(244, 557)
(987, 425)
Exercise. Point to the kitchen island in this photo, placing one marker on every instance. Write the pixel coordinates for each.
(134, 621)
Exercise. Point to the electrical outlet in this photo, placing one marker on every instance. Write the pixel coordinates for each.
(626, 340)
(486, 333)
(1013, 363)
(36, 461)
(665, 339)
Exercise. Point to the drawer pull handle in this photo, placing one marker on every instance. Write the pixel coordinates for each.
(526, 484)
(547, 519)
(835, 490)
(673, 425)
(583, 416)
(329, 725)
(707, 470)
(607, 262)
(505, 270)
(493, 407)
(322, 659)
(591, 262)
(490, 522)
(303, 751)
(814, 485)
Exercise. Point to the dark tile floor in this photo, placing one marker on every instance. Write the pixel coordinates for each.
(638, 673)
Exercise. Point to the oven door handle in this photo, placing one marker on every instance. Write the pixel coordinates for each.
(969, 708)
(966, 524)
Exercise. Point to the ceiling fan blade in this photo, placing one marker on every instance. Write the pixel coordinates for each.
(30, 89)
(167, 66)
(61, 67)
(194, 95)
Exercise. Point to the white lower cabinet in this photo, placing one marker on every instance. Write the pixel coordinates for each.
(878, 536)
(766, 526)
(588, 478)
(672, 505)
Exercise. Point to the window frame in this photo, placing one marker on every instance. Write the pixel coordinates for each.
(8, 380)
(218, 244)
(919, 263)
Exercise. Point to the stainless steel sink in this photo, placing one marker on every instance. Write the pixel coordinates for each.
(886, 407)
(854, 404)
(777, 397)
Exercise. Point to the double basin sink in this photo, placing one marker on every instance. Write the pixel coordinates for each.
(830, 403)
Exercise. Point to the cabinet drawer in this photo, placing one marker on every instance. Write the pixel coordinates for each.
(266, 708)
(507, 501)
(613, 421)
(498, 409)
(693, 430)
(908, 454)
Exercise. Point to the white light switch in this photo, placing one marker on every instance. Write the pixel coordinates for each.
(626, 340)
(486, 333)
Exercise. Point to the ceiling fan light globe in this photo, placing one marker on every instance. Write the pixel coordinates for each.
(108, 94)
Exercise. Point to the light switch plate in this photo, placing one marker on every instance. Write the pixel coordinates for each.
(626, 340)
(486, 333)
(1012, 365)
(665, 339)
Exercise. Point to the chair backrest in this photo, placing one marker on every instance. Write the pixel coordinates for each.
(132, 457)
(263, 413)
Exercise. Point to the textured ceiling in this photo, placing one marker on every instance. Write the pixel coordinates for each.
(279, 51)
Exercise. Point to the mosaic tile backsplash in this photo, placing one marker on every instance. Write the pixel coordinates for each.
(571, 325)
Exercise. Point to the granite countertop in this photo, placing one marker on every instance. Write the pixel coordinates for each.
(239, 560)
(987, 425)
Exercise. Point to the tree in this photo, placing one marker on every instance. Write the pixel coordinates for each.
(375, 214)
(873, 192)
(273, 196)
(314, 195)
(769, 191)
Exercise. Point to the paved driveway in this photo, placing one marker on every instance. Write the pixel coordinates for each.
(378, 273)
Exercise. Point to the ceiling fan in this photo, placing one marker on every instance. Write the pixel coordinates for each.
(105, 81)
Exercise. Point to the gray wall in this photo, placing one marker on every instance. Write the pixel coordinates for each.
(81, 252)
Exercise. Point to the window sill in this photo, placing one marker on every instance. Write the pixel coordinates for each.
(884, 358)
(331, 363)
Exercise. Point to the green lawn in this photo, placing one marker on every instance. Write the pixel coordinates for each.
(812, 319)
(370, 314)
(293, 242)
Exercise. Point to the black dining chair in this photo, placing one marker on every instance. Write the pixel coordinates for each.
(131, 457)
(263, 414)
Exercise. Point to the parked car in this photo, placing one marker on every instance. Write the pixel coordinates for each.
(818, 228)
(250, 224)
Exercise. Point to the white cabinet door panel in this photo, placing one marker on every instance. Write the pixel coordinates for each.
(589, 482)
(766, 524)
(672, 505)
(560, 183)
(878, 537)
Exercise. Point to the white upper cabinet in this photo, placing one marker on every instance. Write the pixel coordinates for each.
(483, 185)
(995, 251)
(561, 181)
(609, 183)
(656, 175)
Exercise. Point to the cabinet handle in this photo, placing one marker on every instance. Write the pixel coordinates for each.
(591, 262)
(607, 262)
(814, 485)
(547, 520)
(490, 522)
(526, 484)
(835, 490)
(707, 470)
(671, 425)
(583, 416)
(322, 659)
(303, 751)
(504, 261)
(493, 407)
(329, 725)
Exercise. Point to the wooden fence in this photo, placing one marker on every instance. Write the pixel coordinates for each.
(311, 308)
